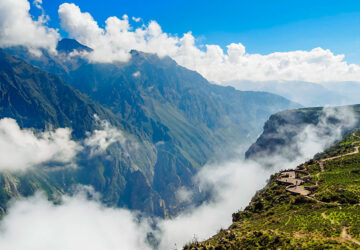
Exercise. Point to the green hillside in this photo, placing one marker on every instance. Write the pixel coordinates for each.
(320, 211)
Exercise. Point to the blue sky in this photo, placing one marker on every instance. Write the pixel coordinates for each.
(263, 26)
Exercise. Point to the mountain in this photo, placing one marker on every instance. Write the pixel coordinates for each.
(178, 118)
(315, 206)
(70, 45)
(282, 129)
(39, 100)
(307, 94)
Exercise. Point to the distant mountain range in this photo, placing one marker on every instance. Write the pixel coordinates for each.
(179, 120)
(306, 93)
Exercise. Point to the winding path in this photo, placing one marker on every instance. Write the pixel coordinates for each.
(348, 237)
(295, 183)
(344, 234)
(290, 177)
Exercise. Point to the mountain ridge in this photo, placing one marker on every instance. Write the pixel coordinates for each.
(179, 119)
(281, 129)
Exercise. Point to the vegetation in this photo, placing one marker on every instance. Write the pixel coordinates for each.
(326, 219)
(176, 117)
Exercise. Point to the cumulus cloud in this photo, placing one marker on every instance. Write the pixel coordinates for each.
(118, 37)
(113, 41)
(22, 148)
(17, 27)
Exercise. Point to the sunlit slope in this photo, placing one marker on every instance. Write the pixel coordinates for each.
(185, 121)
(328, 216)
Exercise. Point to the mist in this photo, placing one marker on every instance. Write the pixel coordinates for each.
(24, 148)
(78, 223)
(82, 223)
(308, 94)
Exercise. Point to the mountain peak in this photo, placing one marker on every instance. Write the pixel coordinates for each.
(67, 45)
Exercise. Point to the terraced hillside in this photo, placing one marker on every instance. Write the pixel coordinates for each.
(324, 213)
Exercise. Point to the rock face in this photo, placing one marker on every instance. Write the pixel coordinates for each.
(178, 120)
(37, 99)
(282, 129)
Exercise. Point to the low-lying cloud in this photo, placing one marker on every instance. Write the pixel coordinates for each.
(304, 140)
(21, 149)
(234, 183)
(100, 139)
(79, 223)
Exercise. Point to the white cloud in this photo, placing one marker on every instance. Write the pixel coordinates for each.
(100, 139)
(183, 194)
(79, 223)
(136, 19)
(38, 4)
(22, 148)
(17, 27)
(117, 38)
(317, 65)
(235, 182)
(137, 74)
(316, 138)
(37, 224)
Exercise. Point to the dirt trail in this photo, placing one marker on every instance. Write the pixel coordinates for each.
(321, 162)
(298, 190)
(344, 234)
(290, 176)
(339, 156)
(353, 134)
(327, 218)
(348, 237)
